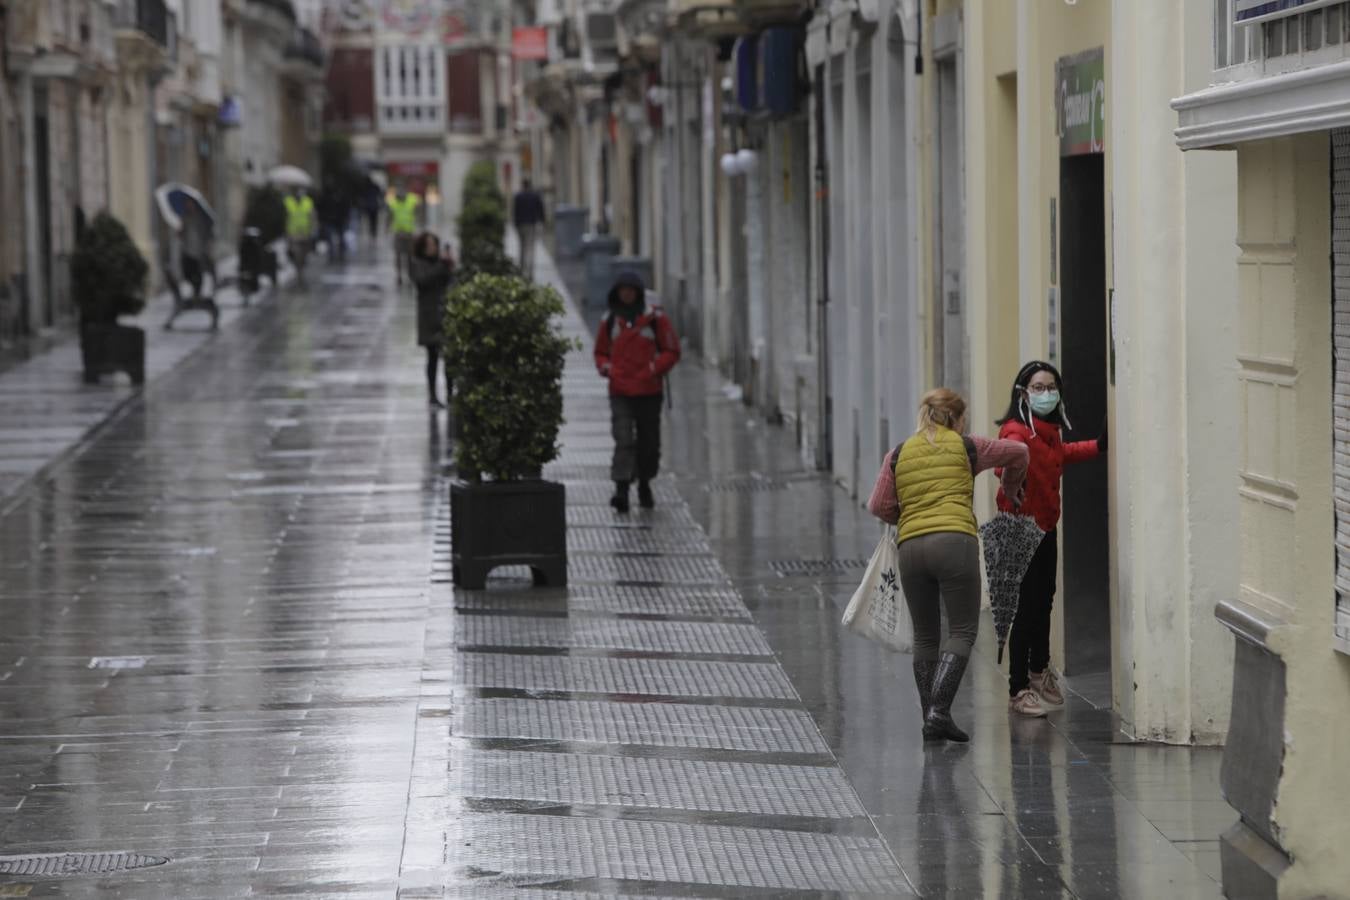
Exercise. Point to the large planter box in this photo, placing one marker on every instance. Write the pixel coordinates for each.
(516, 523)
(107, 347)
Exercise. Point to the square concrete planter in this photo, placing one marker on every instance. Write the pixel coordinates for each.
(106, 347)
(513, 523)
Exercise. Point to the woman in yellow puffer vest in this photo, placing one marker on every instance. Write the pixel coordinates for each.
(927, 488)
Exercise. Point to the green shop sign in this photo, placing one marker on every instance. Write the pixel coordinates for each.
(1080, 103)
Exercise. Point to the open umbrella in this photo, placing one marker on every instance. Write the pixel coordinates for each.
(173, 199)
(1010, 541)
(289, 176)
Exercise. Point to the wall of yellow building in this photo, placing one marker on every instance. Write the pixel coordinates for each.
(1012, 174)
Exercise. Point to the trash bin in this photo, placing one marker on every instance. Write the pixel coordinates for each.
(598, 251)
(569, 226)
(640, 265)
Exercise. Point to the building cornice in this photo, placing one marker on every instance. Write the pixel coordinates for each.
(1273, 106)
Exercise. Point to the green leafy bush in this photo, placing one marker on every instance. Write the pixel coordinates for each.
(266, 211)
(487, 258)
(481, 181)
(482, 217)
(482, 220)
(108, 272)
(503, 345)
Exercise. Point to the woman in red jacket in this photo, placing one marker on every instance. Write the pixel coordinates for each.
(1035, 415)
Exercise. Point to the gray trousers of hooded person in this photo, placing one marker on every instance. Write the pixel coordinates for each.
(636, 423)
(942, 570)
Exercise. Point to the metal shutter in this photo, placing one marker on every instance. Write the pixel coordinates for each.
(1340, 254)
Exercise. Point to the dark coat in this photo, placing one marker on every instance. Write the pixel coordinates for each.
(432, 278)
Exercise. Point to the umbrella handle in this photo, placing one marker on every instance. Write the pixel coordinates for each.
(1000, 654)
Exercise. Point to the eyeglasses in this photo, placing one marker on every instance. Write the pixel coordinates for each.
(1038, 389)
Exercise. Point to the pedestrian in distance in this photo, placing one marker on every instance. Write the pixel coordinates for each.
(432, 269)
(195, 257)
(372, 198)
(635, 348)
(335, 212)
(527, 213)
(300, 225)
(1035, 415)
(926, 488)
(403, 215)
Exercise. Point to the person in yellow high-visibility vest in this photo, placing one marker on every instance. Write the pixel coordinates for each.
(403, 211)
(299, 228)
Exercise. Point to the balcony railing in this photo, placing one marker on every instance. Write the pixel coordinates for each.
(150, 17)
(304, 45)
(284, 7)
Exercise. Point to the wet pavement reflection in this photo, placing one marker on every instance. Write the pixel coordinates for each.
(230, 642)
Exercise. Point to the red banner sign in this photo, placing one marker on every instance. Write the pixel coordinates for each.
(529, 43)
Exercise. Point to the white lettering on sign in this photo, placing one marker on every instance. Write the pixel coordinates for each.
(1084, 109)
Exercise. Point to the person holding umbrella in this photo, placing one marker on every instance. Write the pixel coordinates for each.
(926, 488)
(1035, 415)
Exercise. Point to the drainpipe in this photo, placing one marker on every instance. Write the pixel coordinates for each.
(824, 411)
(32, 246)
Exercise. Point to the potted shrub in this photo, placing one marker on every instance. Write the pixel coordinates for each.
(483, 219)
(108, 276)
(503, 346)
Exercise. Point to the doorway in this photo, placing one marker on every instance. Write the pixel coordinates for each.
(43, 174)
(1085, 592)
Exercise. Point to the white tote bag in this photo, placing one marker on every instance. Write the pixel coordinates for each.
(878, 609)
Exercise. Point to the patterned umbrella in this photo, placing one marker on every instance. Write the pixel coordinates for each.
(1009, 543)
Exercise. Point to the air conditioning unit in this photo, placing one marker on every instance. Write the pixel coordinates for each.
(602, 29)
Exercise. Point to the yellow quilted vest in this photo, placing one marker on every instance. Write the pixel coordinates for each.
(935, 486)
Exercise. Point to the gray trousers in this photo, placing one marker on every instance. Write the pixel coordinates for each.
(942, 568)
(637, 437)
(529, 235)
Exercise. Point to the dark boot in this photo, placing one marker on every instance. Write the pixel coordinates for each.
(924, 669)
(938, 724)
(645, 498)
(620, 499)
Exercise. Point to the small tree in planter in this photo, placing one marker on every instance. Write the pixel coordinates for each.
(108, 275)
(507, 355)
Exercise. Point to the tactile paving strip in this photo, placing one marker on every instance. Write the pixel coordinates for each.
(667, 601)
(665, 677)
(680, 784)
(807, 568)
(638, 540)
(607, 568)
(645, 724)
(597, 493)
(662, 516)
(613, 634)
(67, 864)
(674, 852)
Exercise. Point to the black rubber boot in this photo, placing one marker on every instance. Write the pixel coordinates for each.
(938, 724)
(924, 669)
(645, 497)
(620, 499)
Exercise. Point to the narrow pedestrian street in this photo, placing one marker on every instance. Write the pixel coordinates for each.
(232, 653)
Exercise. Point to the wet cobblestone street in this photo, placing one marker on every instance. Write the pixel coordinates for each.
(230, 642)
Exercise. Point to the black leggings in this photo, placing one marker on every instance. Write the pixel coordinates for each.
(433, 361)
(1029, 642)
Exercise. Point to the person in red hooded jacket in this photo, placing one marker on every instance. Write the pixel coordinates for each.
(635, 347)
(1035, 416)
